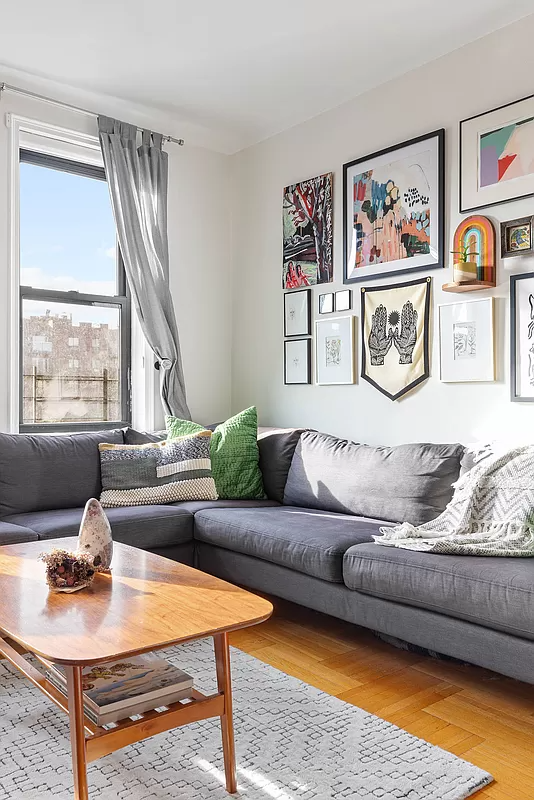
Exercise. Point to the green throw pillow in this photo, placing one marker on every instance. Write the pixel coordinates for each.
(234, 454)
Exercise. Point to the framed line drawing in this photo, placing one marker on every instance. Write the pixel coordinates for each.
(522, 337)
(297, 361)
(496, 161)
(466, 341)
(334, 350)
(394, 210)
(297, 313)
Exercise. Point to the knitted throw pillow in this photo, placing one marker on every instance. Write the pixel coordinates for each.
(158, 472)
(234, 454)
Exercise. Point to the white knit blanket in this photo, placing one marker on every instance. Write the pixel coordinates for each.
(491, 512)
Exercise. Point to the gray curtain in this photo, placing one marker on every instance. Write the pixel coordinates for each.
(137, 176)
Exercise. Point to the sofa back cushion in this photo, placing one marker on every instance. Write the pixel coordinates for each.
(39, 473)
(407, 483)
(276, 446)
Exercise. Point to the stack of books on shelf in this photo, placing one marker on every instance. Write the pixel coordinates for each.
(124, 688)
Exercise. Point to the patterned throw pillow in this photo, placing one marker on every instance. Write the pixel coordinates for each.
(234, 454)
(158, 472)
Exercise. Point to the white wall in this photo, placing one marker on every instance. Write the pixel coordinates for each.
(491, 71)
(199, 242)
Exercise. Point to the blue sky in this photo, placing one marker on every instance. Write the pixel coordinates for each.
(67, 235)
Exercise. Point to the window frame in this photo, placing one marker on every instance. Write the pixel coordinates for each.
(122, 300)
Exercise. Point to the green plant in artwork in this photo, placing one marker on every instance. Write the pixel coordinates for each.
(465, 254)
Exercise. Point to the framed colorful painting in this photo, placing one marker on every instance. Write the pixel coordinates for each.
(308, 233)
(497, 156)
(394, 210)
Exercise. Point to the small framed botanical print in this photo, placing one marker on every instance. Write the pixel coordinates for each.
(466, 341)
(334, 350)
(343, 300)
(297, 361)
(522, 337)
(326, 303)
(297, 313)
(516, 237)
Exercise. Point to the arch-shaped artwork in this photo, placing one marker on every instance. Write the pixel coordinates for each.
(477, 234)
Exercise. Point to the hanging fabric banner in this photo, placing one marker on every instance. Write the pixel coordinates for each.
(395, 330)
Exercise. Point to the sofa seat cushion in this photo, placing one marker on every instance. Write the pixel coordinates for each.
(303, 539)
(194, 506)
(495, 592)
(13, 534)
(141, 526)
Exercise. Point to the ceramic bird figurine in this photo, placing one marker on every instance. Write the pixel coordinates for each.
(95, 536)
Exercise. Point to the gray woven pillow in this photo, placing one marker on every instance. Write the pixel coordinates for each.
(157, 472)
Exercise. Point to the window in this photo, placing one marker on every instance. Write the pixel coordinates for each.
(72, 297)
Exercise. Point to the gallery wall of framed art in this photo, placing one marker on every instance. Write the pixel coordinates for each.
(456, 400)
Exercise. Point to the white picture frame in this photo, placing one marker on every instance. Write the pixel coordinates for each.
(334, 351)
(297, 361)
(467, 341)
(297, 313)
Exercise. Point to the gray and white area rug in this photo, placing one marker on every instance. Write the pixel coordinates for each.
(293, 742)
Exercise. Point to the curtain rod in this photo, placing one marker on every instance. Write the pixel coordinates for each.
(5, 87)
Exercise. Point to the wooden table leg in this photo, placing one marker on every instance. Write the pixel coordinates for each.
(77, 732)
(224, 684)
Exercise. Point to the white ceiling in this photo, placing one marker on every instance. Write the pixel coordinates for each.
(241, 69)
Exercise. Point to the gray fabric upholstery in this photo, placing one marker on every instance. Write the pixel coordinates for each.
(304, 539)
(276, 446)
(131, 436)
(13, 534)
(408, 483)
(488, 648)
(497, 592)
(45, 472)
(184, 553)
(140, 526)
(193, 506)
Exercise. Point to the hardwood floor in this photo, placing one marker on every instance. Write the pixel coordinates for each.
(481, 716)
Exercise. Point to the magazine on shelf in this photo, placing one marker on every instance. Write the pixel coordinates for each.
(126, 687)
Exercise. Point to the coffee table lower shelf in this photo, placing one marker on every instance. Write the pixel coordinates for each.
(90, 742)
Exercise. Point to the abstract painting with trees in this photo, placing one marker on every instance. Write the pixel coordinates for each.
(308, 235)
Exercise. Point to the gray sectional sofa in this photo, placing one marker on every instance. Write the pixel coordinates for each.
(310, 541)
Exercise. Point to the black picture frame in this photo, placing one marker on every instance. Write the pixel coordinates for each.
(308, 330)
(440, 263)
(426, 343)
(506, 252)
(348, 292)
(514, 397)
(469, 209)
(321, 308)
(308, 362)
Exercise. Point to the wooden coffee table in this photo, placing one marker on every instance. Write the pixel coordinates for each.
(147, 603)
